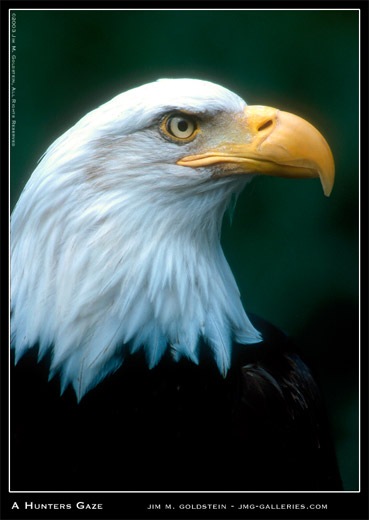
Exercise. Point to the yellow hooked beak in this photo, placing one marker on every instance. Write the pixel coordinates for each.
(275, 143)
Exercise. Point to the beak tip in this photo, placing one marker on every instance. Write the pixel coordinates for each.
(327, 183)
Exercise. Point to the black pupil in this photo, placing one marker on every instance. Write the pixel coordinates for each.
(182, 125)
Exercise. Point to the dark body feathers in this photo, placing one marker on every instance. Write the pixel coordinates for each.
(176, 427)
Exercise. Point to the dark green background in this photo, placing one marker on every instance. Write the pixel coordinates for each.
(293, 251)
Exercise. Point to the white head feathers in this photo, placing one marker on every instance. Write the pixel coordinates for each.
(116, 247)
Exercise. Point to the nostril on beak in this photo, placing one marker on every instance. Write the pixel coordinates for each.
(265, 125)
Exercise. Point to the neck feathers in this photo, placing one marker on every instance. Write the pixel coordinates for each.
(98, 275)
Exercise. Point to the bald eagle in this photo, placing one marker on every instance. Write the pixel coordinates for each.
(117, 268)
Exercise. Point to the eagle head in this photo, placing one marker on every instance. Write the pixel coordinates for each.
(115, 240)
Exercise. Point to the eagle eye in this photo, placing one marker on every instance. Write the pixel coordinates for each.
(180, 127)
